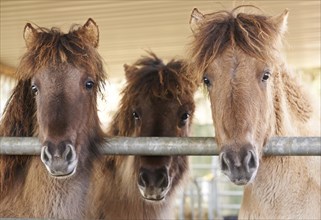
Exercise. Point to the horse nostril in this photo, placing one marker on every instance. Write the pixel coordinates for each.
(162, 180)
(45, 154)
(143, 179)
(69, 153)
(252, 160)
(224, 162)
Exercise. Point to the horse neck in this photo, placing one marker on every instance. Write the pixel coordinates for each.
(63, 198)
(19, 115)
(290, 190)
(55, 198)
(295, 113)
(17, 121)
(114, 128)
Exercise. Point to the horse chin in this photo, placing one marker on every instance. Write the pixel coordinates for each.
(62, 175)
(242, 181)
(152, 197)
(65, 176)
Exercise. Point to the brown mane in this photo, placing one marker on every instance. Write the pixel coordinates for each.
(51, 48)
(253, 34)
(150, 77)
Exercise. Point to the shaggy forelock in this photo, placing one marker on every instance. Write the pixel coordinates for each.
(53, 48)
(254, 34)
(151, 79)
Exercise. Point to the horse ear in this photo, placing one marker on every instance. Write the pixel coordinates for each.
(29, 34)
(281, 21)
(91, 32)
(129, 70)
(126, 67)
(195, 20)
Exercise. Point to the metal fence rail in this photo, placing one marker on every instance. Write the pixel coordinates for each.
(169, 146)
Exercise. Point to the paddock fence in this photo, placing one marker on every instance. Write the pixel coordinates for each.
(209, 194)
(286, 146)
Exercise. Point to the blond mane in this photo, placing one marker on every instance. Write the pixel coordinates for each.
(254, 34)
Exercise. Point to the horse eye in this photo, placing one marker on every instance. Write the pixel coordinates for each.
(184, 118)
(266, 76)
(34, 90)
(206, 81)
(89, 84)
(135, 116)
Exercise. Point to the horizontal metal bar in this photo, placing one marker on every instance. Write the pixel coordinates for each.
(169, 146)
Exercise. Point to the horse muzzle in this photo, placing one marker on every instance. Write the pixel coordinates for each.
(240, 164)
(61, 160)
(153, 184)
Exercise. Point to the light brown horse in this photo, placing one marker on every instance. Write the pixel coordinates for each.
(157, 101)
(55, 99)
(253, 97)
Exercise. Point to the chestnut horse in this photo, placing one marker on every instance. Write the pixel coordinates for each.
(55, 100)
(253, 97)
(157, 101)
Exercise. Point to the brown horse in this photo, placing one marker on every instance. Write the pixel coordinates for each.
(55, 99)
(157, 101)
(253, 97)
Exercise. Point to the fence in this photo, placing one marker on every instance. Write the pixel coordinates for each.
(209, 197)
(293, 146)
